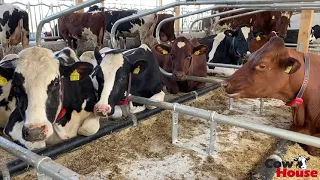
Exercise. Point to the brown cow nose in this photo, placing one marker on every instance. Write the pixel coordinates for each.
(178, 75)
(224, 84)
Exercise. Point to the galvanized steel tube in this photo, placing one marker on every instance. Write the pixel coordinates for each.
(41, 163)
(216, 14)
(191, 78)
(224, 65)
(205, 114)
(61, 13)
(180, 3)
(239, 15)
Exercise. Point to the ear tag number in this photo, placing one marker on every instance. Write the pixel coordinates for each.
(136, 70)
(3, 81)
(75, 76)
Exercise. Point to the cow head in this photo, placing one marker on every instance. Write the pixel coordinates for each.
(302, 162)
(282, 23)
(38, 87)
(179, 56)
(113, 75)
(266, 74)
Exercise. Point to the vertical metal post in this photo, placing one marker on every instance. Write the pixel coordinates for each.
(175, 124)
(230, 103)
(213, 128)
(261, 106)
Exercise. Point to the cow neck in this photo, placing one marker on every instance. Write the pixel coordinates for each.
(63, 110)
(126, 101)
(298, 101)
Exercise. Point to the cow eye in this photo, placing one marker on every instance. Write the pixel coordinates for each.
(261, 66)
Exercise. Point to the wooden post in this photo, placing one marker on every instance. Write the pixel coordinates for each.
(160, 4)
(177, 22)
(304, 30)
(79, 2)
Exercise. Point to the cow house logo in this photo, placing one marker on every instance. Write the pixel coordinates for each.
(283, 168)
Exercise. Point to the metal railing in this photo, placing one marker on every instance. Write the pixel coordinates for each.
(44, 165)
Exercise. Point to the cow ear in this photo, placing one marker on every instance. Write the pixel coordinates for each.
(139, 66)
(97, 55)
(290, 65)
(9, 64)
(77, 71)
(162, 49)
(229, 33)
(200, 50)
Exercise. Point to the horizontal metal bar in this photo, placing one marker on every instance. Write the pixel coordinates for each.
(61, 13)
(239, 15)
(42, 163)
(205, 114)
(214, 15)
(180, 3)
(224, 65)
(191, 78)
(310, 45)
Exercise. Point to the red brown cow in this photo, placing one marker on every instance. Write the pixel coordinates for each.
(182, 58)
(264, 21)
(167, 29)
(87, 26)
(275, 71)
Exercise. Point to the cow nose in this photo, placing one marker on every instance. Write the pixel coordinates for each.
(178, 75)
(34, 133)
(102, 110)
(224, 84)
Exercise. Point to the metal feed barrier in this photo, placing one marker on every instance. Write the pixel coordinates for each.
(215, 118)
(44, 165)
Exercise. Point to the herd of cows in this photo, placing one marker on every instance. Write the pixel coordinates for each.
(48, 97)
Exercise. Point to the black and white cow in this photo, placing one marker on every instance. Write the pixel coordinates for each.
(14, 26)
(7, 102)
(54, 101)
(113, 78)
(227, 47)
(143, 26)
(302, 162)
(315, 34)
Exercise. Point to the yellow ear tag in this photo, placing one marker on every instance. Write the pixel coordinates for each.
(288, 69)
(136, 70)
(197, 52)
(164, 52)
(3, 81)
(75, 76)
(258, 38)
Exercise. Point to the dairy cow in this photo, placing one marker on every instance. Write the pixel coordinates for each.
(183, 57)
(14, 26)
(275, 71)
(113, 78)
(54, 101)
(87, 26)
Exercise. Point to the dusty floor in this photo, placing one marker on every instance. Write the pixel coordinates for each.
(146, 152)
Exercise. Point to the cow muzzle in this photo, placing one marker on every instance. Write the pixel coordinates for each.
(102, 110)
(229, 90)
(179, 76)
(37, 132)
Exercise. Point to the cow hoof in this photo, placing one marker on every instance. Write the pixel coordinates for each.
(89, 126)
(35, 145)
(117, 113)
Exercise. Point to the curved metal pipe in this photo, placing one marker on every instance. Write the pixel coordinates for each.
(198, 2)
(190, 78)
(61, 13)
(216, 14)
(275, 7)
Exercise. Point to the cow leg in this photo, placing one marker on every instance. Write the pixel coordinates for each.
(159, 96)
(90, 126)
(13, 130)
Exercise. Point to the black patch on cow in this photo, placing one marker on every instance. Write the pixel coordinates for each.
(113, 16)
(53, 102)
(5, 18)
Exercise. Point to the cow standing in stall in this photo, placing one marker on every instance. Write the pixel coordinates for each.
(87, 26)
(14, 27)
(182, 58)
(61, 105)
(275, 71)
